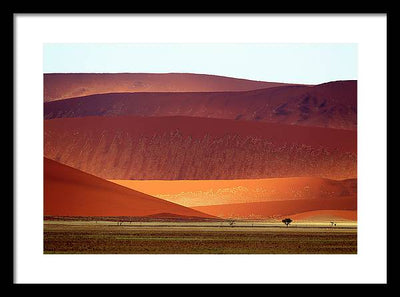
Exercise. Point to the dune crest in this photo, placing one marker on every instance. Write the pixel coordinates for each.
(66, 85)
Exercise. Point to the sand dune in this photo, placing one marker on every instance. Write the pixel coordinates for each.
(277, 209)
(326, 215)
(213, 192)
(70, 192)
(331, 105)
(66, 85)
(173, 148)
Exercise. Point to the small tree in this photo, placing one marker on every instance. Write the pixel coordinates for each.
(287, 221)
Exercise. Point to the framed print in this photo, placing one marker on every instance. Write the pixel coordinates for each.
(182, 144)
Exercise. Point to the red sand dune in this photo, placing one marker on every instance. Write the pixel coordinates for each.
(277, 209)
(171, 148)
(66, 85)
(326, 215)
(70, 192)
(212, 192)
(331, 105)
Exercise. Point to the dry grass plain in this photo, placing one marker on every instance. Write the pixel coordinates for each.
(108, 237)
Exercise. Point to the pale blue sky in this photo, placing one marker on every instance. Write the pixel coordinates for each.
(295, 63)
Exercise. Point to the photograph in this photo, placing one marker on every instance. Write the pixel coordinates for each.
(200, 148)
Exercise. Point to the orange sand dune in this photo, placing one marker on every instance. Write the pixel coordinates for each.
(277, 209)
(213, 192)
(173, 148)
(66, 85)
(326, 215)
(70, 192)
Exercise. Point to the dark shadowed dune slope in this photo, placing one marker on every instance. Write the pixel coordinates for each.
(331, 105)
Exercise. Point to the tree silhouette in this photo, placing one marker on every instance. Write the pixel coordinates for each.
(287, 221)
(231, 222)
